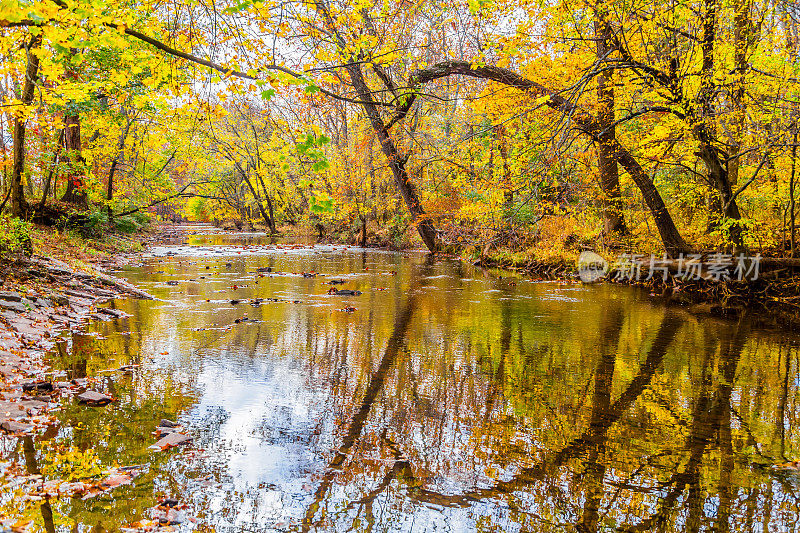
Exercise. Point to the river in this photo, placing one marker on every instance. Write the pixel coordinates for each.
(444, 397)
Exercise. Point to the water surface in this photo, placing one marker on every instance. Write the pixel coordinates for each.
(450, 399)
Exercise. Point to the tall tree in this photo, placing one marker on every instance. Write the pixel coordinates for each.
(19, 205)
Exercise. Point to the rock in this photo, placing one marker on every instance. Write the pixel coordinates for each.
(172, 282)
(344, 292)
(10, 409)
(113, 312)
(264, 269)
(171, 440)
(10, 296)
(80, 294)
(8, 371)
(12, 426)
(91, 397)
(80, 382)
(164, 423)
(13, 306)
(59, 299)
(37, 386)
(33, 404)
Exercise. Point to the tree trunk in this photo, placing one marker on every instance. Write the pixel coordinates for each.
(792, 220)
(75, 193)
(670, 236)
(363, 230)
(714, 159)
(508, 186)
(113, 168)
(49, 179)
(264, 214)
(272, 228)
(613, 221)
(19, 206)
(397, 161)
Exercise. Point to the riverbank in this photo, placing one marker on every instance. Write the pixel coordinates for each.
(41, 297)
(771, 299)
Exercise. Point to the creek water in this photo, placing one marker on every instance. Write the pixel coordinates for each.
(444, 397)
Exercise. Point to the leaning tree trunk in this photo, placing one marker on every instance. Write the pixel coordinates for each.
(670, 236)
(397, 161)
(19, 206)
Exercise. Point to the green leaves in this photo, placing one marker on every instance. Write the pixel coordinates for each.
(238, 8)
(311, 147)
(321, 204)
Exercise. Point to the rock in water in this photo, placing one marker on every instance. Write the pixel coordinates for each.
(37, 386)
(164, 423)
(10, 296)
(91, 397)
(344, 292)
(171, 440)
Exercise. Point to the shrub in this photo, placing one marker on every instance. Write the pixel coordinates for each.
(15, 236)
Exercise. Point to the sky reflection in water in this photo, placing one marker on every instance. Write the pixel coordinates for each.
(451, 399)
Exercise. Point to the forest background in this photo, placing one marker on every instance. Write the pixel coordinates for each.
(524, 130)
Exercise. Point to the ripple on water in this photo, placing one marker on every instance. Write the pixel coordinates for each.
(450, 399)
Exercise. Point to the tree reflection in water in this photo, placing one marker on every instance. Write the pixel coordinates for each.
(454, 399)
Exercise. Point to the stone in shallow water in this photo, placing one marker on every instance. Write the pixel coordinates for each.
(164, 423)
(37, 386)
(10, 409)
(33, 405)
(171, 440)
(91, 397)
(8, 371)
